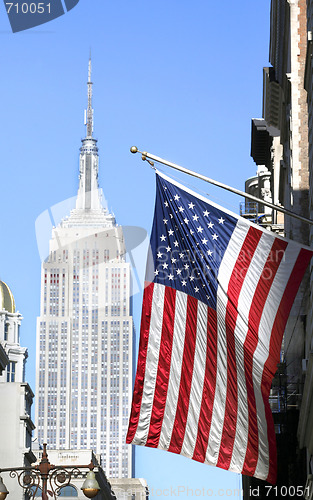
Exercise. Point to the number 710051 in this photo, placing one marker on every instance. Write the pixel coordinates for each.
(25, 8)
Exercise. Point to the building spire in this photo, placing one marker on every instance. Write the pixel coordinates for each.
(89, 110)
(89, 196)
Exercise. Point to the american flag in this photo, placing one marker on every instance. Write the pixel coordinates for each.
(217, 297)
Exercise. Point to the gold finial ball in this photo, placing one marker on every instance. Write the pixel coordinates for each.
(133, 149)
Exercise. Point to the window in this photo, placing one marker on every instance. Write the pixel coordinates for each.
(11, 371)
(37, 491)
(6, 331)
(68, 491)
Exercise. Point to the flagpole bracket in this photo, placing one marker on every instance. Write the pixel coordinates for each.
(248, 196)
(144, 155)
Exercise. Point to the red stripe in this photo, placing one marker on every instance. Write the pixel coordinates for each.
(270, 366)
(234, 287)
(164, 366)
(261, 293)
(186, 377)
(208, 393)
(141, 365)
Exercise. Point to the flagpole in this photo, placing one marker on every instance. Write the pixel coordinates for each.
(146, 155)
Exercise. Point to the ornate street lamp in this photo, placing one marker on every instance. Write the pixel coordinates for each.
(3, 490)
(50, 479)
(90, 485)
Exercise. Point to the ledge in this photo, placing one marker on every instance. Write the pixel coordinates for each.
(306, 410)
(4, 360)
(28, 421)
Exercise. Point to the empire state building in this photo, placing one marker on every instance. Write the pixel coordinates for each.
(85, 329)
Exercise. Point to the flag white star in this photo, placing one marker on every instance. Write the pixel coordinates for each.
(191, 231)
(159, 255)
(221, 220)
(181, 255)
(166, 203)
(186, 220)
(210, 225)
(173, 260)
(184, 283)
(165, 221)
(176, 197)
(178, 271)
(195, 217)
(204, 241)
(192, 278)
(171, 216)
(191, 205)
(186, 266)
(176, 244)
(171, 232)
(199, 229)
(206, 213)
(209, 252)
(215, 236)
(181, 209)
(165, 266)
(170, 276)
(196, 289)
(156, 272)
(163, 237)
(168, 249)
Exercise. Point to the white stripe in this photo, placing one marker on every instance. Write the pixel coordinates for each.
(197, 382)
(262, 350)
(225, 271)
(175, 371)
(245, 299)
(152, 362)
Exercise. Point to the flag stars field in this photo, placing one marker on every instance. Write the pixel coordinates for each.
(186, 257)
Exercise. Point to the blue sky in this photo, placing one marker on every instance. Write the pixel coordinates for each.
(179, 79)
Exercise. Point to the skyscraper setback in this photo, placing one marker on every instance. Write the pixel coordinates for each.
(85, 329)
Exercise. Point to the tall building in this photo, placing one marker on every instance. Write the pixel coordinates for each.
(85, 329)
(16, 396)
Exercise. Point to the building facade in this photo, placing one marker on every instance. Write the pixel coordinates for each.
(16, 425)
(85, 329)
(288, 44)
(280, 142)
(134, 489)
(305, 434)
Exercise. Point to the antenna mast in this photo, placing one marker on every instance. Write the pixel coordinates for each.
(89, 111)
